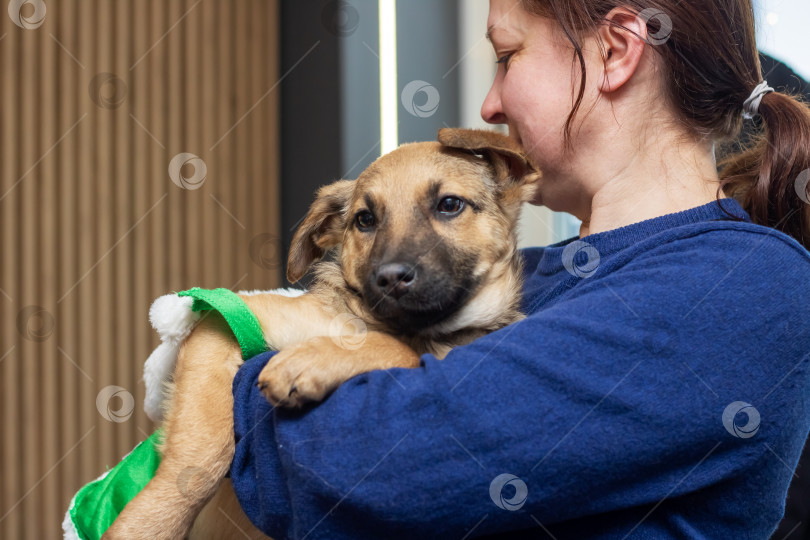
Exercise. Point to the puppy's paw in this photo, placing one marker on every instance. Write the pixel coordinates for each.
(304, 373)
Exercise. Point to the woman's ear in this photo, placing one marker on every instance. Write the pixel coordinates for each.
(322, 228)
(623, 35)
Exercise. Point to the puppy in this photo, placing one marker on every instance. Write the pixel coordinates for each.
(425, 259)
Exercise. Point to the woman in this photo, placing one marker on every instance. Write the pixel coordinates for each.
(659, 385)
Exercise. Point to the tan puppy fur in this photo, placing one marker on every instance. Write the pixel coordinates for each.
(425, 260)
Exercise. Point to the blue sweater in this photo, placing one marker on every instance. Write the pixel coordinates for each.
(659, 388)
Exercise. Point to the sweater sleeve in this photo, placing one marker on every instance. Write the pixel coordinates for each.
(621, 394)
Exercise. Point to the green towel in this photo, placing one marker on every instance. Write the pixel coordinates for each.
(96, 505)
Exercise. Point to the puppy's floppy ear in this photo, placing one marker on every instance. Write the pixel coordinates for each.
(322, 228)
(514, 170)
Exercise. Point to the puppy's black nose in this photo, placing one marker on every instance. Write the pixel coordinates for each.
(395, 279)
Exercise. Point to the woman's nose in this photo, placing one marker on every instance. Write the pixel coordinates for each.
(491, 109)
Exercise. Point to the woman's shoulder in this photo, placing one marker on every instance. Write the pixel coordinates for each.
(722, 260)
(743, 234)
(723, 244)
(712, 244)
(747, 272)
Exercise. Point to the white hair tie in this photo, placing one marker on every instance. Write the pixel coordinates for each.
(751, 105)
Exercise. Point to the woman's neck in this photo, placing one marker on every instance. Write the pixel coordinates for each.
(662, 179)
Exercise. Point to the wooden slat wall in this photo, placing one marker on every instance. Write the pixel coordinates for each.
(92, 228)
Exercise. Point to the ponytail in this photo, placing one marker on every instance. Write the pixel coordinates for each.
(770, 178)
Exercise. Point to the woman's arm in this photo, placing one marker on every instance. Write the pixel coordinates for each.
(609, 401)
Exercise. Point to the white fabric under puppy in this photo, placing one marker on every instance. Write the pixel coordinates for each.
(171, 316)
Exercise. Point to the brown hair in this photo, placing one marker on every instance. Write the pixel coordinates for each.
(709, 54)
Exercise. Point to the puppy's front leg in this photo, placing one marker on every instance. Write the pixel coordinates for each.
(287, 321)
(311, 370)
(198, 442)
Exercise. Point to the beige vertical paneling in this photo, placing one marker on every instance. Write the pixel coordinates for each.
(30, 406)
(46, 388)
(86, 354)
(10, 367)
(104, 227)
(123, 157)
(200, 203)
(175, 142)
(253, 171)
(240, 135)
(75, 383)
(207, 119)
(92, 228)
(144, 151)
(221, 151)
(154, 116)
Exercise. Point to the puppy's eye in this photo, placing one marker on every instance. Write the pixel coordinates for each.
(364, 220)
(450, 206)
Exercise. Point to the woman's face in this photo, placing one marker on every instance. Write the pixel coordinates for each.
(532, 91)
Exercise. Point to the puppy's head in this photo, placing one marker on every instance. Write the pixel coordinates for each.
(424, 228)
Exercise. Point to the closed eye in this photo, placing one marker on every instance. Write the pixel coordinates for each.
(505, 60)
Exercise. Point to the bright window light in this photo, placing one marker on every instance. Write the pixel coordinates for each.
(389, 99)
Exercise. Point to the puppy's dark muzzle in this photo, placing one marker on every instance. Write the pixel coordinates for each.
(410, 297)
(394, 279)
